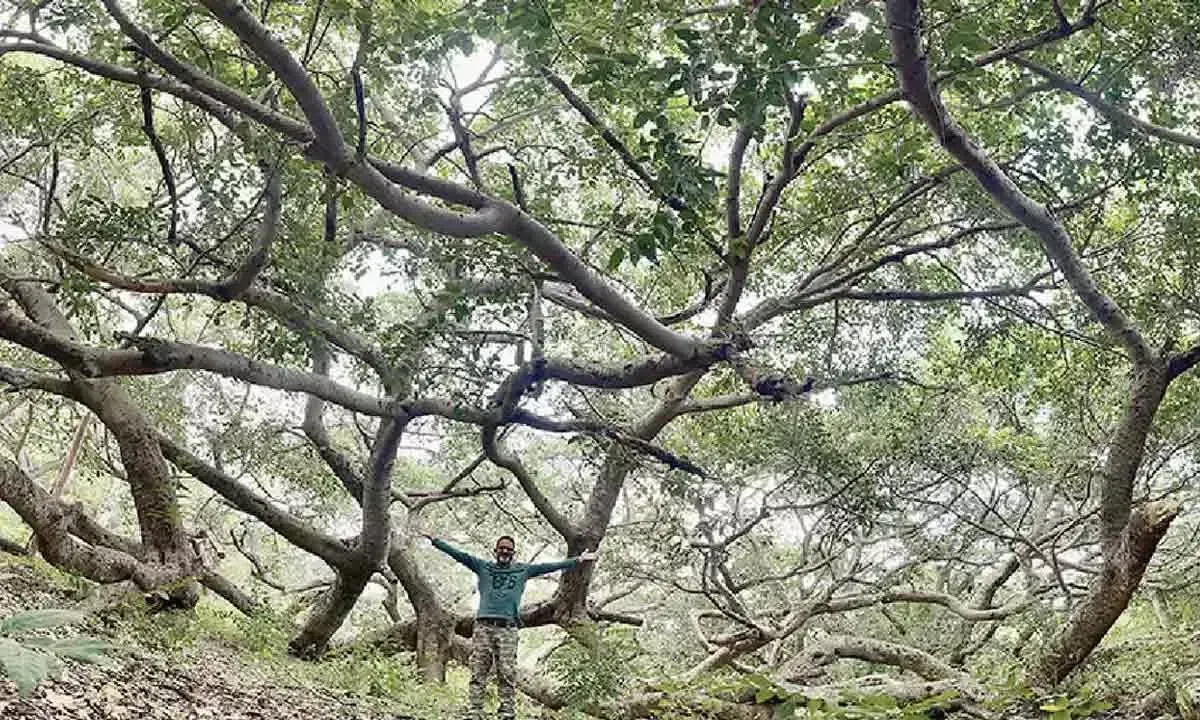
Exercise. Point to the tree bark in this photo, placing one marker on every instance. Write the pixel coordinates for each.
(373, 547)
(1108, 595)
(55, 523)
(1128, 536)
(434, 627)
(570, 599)
(329, 614)
(164, 541)
(234, 595)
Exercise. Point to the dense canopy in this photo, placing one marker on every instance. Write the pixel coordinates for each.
(845, 331)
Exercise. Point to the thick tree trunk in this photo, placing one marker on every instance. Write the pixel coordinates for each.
(164, 541)
(570, 599)
(329, 614)
(1127, 540)
(435, 638)
(154, 497)
(73, 542)
(1129, 536)
(374, 544)
(1109, 594)
(434, 626)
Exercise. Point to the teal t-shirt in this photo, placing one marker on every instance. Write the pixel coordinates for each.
(501, 586)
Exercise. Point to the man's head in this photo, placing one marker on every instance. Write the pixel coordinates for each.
(506, 549)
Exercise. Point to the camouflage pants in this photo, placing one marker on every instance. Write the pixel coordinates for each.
(493, 646)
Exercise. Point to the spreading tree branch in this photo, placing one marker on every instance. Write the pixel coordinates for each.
(912, 69)
(163, 162)
(610, 139)
(1114, 114)
(241, 279)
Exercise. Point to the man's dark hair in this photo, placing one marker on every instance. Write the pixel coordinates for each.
(509, 538)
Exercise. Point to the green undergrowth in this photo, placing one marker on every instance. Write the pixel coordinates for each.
(260, 643)
(212, 633)
(1138, 658)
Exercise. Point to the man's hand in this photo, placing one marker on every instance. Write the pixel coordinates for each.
(416, 528)
(588, 556)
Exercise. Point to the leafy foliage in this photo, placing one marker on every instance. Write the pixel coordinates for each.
(964, 399)
(27, 661)
(594, 670)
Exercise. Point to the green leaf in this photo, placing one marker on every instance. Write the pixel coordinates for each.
(759, 681)
(26, 667)
(83, 649)
(616, 258)
(36, 619)
(785, 710)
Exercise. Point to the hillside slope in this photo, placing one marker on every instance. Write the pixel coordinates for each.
(152, 679)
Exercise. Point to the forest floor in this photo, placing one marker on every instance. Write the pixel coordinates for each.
(156, 673)
(216, 665)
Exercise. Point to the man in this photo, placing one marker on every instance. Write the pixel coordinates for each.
(494, 640)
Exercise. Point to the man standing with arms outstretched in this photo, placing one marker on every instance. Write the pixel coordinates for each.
(494, 639)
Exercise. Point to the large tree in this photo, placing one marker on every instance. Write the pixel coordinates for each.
(659, 228)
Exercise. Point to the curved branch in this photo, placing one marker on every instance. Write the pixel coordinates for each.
(1114, 114)
(491, 215)
(243, 277)
(54, 521)
(949, 602)
(1183, 362)
(610, 139)
(234, 16)
(232, 594)
(912, 70)
(292, 528)
(12, 548)
(164, 163)
(25, 380)
(275, 304)
(900, 656)
(180, 90)
(192, 77)
(314, 429)
(500, 456)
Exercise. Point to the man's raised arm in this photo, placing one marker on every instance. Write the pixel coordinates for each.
(469, 561)
(546, 568)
